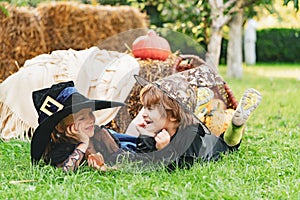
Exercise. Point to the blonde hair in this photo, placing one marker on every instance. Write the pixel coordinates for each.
(151, 95)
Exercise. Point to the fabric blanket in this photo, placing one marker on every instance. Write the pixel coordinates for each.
(98, 74)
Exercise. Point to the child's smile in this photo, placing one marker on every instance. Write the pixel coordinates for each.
(154, 121)
(84, 121)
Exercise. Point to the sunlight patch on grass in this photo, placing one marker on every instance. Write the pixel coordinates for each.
(274, 72)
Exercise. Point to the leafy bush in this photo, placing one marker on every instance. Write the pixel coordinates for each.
(278, 45)
(273, 45)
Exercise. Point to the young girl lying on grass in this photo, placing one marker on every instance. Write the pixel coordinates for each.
(67, 133)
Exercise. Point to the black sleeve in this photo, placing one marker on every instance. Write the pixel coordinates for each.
(145, 144)
(60, 152)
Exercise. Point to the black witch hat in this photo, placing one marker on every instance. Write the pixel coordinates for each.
(55, 103)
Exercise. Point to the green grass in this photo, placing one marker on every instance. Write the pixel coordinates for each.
(266, 167)
(285, 65)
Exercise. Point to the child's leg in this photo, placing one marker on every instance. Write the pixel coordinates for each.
(233, 134)
(249, 102)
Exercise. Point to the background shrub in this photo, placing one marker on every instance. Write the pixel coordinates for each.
(273, 45)
(278, 45)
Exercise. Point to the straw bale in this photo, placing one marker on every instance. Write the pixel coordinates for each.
(28, 32)
(21, 37)
(80, 26)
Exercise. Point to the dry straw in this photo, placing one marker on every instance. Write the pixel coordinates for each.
(28, 32)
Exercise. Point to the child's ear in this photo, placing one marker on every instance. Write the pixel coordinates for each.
(173, 119)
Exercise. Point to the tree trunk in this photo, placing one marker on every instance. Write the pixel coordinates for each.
(234, 49)
(214, 48)
(249, 42)
(219, 19)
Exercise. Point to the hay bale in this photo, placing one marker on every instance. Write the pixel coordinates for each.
(80, 26)
(21, 37)
(28, 32)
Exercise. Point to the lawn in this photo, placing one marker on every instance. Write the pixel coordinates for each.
(266, 167)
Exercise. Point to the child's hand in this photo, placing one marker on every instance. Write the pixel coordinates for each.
(96, 161)
(162, 139)
(142, 131)
(75, 134)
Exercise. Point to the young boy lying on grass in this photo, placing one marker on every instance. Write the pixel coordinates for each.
(168, 117)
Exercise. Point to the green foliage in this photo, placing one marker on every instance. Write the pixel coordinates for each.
(273, 45)
(295, 2)
(223, 55)
(278, 45)
(189, 17)
(265, 167)
(32, 3)
(2, 9)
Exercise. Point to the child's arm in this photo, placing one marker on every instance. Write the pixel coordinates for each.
(146, 143)
(95, 160)
(73, 161)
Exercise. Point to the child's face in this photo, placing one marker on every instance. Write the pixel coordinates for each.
(154, 119)
(84, 121)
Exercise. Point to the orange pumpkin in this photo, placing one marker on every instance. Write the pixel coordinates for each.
(151, 46)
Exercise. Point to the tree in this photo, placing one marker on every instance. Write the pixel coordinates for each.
(220, 15)
(234, 50)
